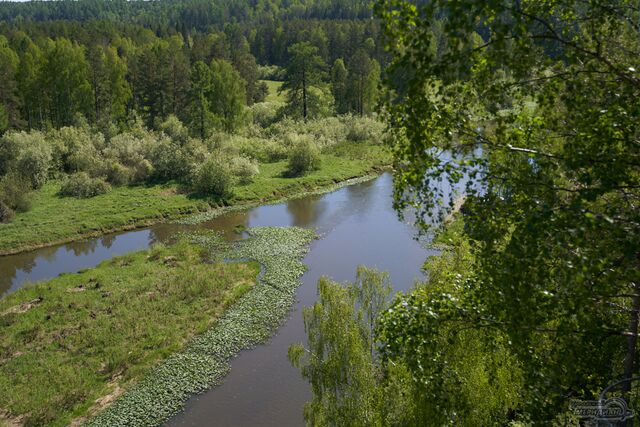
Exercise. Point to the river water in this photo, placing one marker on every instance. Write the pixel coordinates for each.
(357, 225)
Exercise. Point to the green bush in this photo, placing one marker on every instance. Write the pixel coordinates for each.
(142, 171)
(118, 174)
(14, 192)
(80, 149)
(33, 162)
(171, 160)
(175, 129)
(304, 157)
(244, 169)
(82, 186)
(6, 213)
(265, 113)
(214, 177)
(364, 129)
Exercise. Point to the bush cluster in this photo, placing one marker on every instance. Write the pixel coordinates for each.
(83, 186)
(89, 162)
(214, 177)
(304, 157)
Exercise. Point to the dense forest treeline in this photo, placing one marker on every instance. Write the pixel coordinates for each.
(58, 63)
(197, 14)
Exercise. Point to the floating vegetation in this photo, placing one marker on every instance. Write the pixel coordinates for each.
(214, 213)
(251, 321)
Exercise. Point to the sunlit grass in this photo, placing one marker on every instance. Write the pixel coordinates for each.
(71, 340)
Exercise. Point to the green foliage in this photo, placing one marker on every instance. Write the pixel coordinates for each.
(108, 81)
(65, 73)
(9, 99)
(33, 158)
(82, 186)
(458, 375)
(4, 119)
(244, 169)
(340, 362)
(304, 157)
(539, 124)
(304, 70)
(15, 192)
(202, 119)
(77, 149)
(229, 95)
(339, 86)
(6, 213)
(214, 177)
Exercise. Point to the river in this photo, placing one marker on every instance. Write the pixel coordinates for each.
(357, 225)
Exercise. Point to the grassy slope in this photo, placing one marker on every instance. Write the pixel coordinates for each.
(274, 95)
(54, 219)
(78, 344)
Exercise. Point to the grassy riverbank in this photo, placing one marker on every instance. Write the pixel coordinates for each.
(204, 362)
(88, 336)
(54, 219)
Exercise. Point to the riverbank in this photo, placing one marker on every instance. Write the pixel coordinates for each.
(205, 361)
(73, 344)
(55, 220)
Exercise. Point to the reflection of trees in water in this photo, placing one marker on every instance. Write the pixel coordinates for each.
(163, 233)
(306, 211)
(83, 247)
(227, 224)
(107, 241)
(361, 196)
(7, 273)
(26, 261)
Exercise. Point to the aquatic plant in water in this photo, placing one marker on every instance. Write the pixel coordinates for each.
(251, 321)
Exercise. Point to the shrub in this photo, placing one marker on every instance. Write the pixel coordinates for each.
(80, 149)
(274, 151)
(244, 169)
(33, 162)
(143, 171)
(172, 161)
(82, 186)
(6, 213)
(304, 157)
(271, 72)
(214, 177)
(364, 129)
(14, 192)
(265, 113)
(174, 129)
(118, 174)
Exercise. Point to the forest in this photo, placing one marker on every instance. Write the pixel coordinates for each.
(79, 100)
(498, 141)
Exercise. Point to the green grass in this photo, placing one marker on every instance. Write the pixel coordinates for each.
(344, 162)
(54, 219)
(88, 334)
(274, 95)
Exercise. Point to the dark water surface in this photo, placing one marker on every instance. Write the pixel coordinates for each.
(357, 225)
